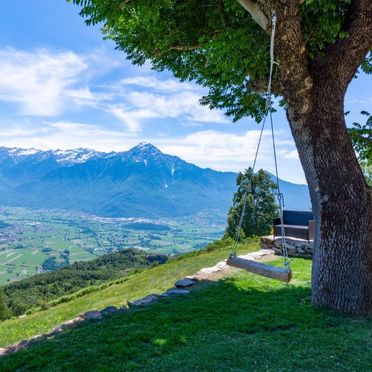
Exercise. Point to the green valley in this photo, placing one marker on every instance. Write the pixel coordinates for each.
(35, 241)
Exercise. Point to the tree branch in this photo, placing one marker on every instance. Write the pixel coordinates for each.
(123, 4)
(342, 59)
(255, 11)
(186, 47)
(179, 48)
(260, 86)
(290, 51)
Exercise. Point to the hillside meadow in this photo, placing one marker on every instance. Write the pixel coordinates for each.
(243, 322)
(154, 280)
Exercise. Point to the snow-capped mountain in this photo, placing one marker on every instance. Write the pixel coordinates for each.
(141, 182)
(65, 157)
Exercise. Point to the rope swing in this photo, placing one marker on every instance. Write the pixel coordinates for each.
(283, 274)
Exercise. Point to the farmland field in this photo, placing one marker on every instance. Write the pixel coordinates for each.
(35, 241)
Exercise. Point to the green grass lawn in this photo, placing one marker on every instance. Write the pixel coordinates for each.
(155, 280)
(242, 323)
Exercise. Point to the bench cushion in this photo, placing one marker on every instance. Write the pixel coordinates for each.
(297, 217)
(294, 231)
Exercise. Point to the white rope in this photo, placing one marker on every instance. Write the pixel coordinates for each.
(268, 110)
(272, 40)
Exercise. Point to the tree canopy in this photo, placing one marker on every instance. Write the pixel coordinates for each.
(361, 136)
(214, 42)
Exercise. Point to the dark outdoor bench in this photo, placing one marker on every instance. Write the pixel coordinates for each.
(297, 224)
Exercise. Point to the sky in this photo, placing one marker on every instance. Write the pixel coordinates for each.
(62, 86)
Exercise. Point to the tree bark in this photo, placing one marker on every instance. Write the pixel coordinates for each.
(342, 204)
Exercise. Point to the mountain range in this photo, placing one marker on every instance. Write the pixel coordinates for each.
(141, 182)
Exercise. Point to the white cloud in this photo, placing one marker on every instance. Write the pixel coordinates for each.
(38, 81)
(293, 155)
(132, 119)
(218, 149)
(151, 82)
(213, 149)
(234, 152)
(367, 100)
(181, 104)
(48, 83)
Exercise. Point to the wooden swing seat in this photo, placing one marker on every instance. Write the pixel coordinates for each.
(273, 272)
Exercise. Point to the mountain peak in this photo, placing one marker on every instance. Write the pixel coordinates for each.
(143, 150)
(145, 146)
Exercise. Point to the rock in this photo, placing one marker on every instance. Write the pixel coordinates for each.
(122, 309)
(109, 310)
(144, 301)
(192, 277)
(36, 338)
(175, 292)
(56, 330)
(3, 351)
(22, 343)
(212, 270)
(267, 240)
(70, 323)
(184, 283)
(91, 315)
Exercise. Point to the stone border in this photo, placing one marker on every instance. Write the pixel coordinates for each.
(296, 247)
(181, 287)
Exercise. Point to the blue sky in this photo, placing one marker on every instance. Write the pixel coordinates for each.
(62, 86)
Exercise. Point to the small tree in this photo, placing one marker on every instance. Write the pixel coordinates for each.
(361, 137)
(4, 311)
(259, 192)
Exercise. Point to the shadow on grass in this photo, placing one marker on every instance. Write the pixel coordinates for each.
(227, 325)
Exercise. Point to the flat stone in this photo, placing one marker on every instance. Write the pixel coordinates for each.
(22, 343)
(91, 315)
(176, 291)
(56, 330)
(109, 310)
(122, 309)
(265, 246)
(36, 338)
(144, 301)
(214, 269)
(268, 240)
(184, 283)
(71, 323)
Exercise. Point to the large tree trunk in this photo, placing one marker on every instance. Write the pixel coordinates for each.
(342, 203)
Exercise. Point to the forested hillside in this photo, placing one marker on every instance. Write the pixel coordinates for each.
(38, 290)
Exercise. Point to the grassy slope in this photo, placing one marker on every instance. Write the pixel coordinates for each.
(154, 280)
(243, 323)
(27, 293)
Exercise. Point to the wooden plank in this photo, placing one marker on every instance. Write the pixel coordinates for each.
(260, 268)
